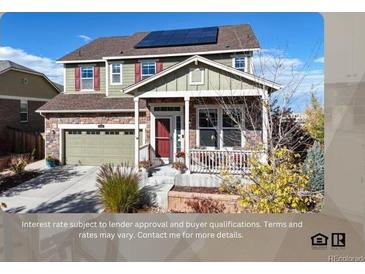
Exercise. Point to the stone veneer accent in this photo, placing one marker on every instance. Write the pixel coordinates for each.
(53, 120)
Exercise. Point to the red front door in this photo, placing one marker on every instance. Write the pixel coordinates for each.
(163, 138)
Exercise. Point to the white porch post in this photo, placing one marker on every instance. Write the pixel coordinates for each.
(265, 123)
(136, 132)
(187, 131)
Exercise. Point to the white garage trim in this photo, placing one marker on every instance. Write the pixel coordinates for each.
(63, 127)
(97, 126)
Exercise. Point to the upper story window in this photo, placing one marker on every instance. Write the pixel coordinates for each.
(23, 111)
(148, 68)
(87, 78)
(239, 63)
(196, 76)
(116, 74)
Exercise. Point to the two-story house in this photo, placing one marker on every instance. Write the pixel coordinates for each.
(22, 92)
(151, 95)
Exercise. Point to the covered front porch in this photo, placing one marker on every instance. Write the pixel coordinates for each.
(184, 129)
(198, 113)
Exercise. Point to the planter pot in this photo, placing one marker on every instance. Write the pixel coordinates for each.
(50, 163)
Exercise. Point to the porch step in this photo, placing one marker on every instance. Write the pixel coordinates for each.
(160, 180)
(156, 195)
(165, 170)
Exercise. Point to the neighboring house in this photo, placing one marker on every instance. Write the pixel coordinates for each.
(151, 95)
(22, 92)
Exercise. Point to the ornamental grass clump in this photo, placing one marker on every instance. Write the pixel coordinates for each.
(118, 188)
(278, 186)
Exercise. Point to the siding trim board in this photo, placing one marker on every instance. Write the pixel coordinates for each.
(23, 98)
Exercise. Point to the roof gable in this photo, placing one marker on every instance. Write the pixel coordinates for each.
(6, 65)
(232, 72)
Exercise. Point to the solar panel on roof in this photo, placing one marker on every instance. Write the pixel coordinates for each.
(183, 37)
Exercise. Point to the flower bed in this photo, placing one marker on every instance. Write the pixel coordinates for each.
(202, 200)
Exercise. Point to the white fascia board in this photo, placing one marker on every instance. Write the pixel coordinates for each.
(202, 93)
(179, 54)
(81, 61)
(89, 111)
(24, 98)
(97, 126)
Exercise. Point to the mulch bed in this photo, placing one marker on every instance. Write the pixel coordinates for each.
(209, 190)
(12, 180)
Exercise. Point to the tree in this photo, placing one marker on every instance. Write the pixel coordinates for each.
(314, 123)
(313, 167)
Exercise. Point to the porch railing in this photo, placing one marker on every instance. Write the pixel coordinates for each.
(215, 161)
(144, 152)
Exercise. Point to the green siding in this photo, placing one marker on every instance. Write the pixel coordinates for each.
(181, 83)
(214, 79)
(12, 84)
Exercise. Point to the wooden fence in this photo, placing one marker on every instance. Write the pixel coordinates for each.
(26, 142)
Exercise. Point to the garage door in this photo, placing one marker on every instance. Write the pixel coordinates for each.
(96, 147)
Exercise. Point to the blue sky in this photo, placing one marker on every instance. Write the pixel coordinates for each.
(24, 37)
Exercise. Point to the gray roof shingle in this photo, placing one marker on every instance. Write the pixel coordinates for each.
(6, 64)
(89, 102)
(235, 37)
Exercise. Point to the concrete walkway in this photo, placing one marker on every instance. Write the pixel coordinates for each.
(70, 189)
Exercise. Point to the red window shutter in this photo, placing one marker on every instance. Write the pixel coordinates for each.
(159, 66)
(77, 78)
(96, 78)
(137, 71)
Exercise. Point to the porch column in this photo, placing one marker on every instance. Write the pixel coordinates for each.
(187, 131)
(265, 123)
(136, 132)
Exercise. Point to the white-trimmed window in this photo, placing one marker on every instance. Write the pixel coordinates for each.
(196, 76)
(208, 123)
(116, 74)
(23, 111)
(220, 128)
(239, 62)
(87, 78)
(148, 68)
(232, 132)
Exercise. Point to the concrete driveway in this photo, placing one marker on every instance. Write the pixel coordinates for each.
(64, 189)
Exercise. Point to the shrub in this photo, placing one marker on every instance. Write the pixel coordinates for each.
(18, 164)
(230, 184)
(179, 166)
(145, 164)
(278, 186)
(206, 206)
(313, 167)
(118, 188)
(180, 154)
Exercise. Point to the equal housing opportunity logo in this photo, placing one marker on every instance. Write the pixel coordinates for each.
(321, 241)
